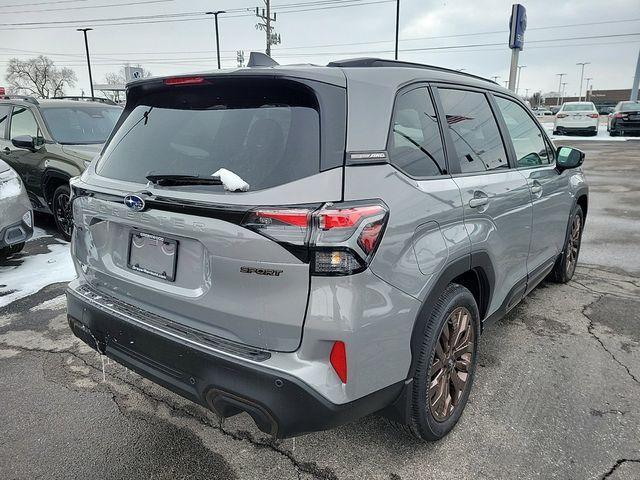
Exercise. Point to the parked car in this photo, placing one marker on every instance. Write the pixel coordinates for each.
(542, 112)
(247, 244)
(49, 141)
(554, 109)
(576, 117)
(16, 217)
(624, 119)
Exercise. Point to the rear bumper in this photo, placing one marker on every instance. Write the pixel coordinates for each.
(626, 126)
(580, 129)
(280, 404)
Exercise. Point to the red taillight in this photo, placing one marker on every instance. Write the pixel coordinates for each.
(594, 115)
(183, 80)
(369, 236)
(297, 218)
(346, 217)
(561, 115)
(338, 360)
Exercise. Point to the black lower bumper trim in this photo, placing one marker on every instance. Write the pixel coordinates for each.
(280, 404)
(17, 233)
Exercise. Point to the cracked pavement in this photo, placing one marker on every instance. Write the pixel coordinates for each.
(557, 392)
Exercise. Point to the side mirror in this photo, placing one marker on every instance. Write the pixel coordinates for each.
(24, 141)
(569, 157)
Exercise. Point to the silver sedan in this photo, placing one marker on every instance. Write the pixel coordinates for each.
(16, 217)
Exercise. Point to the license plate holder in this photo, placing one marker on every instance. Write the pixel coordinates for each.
(153, 255)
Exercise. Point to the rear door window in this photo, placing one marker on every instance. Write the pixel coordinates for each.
(528, 142)
(415, 145)
(473, 130)
(268, 133)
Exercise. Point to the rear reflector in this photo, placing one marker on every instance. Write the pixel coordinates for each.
(338, 360)
(183, 80)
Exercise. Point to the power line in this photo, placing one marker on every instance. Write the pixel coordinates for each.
(64, 9)
(41, 3)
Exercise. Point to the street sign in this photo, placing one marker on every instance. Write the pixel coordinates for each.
(132, 73)
(517, 26)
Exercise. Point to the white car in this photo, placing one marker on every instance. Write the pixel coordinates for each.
(576, 117)
(542, 112)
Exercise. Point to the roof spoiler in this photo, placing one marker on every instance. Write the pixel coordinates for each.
(259, 59)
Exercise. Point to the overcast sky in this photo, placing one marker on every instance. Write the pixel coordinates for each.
(315, 33)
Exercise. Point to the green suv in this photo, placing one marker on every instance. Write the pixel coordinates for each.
(50, 141)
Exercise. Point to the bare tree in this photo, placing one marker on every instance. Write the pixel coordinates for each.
(39, 76)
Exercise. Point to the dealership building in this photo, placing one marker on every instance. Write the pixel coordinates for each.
(601, 98)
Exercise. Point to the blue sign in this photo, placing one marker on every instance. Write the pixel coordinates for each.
(517, 26)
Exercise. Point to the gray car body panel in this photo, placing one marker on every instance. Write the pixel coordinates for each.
(13, 206)
(430, 228)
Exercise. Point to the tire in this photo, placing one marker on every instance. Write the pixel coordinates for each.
(566, 263)
(613, 133)
(62, 214)
(11, 250)
(593, 134)
(555, 132)
(429, 419)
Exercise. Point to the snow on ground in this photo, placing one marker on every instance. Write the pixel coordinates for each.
(27, 273)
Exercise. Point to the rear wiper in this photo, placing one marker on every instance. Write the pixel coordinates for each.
(175, 180)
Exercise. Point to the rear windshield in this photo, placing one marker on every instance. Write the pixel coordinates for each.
(267, 132)
(579, 107)
(81, 125)
(629, 106)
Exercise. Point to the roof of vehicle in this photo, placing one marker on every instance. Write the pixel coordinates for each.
(49, 102)
(392, 73)
(576, 103)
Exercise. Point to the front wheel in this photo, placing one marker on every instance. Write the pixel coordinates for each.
(446, 365)
(62, 211)
(566, 263)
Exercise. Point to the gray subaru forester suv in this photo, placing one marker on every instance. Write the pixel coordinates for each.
(314, 244)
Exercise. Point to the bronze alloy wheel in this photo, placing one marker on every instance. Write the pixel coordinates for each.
(574, 244)
(449, 373)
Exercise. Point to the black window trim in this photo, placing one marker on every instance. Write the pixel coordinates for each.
(5, 134)
(456, 163)
(402, 91)
(44, 133)
(545, 138)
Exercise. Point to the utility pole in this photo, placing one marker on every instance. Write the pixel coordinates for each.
(526, 93)
(86, 47)
(582, 64)
(215, 14)
(586, 90)
(397, 25)
(520, 67)
(495, 78)
(506, 84)
(636, 82)
(564, 87)
(265, 16)
(559, 87)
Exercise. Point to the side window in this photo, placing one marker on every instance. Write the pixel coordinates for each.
(23, 123)
(4, 117)
(415, 145)
(528, 142)
(474, 131)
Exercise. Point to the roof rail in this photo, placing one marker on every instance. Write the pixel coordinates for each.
(26, 98)
(86, 99)
(381, 62)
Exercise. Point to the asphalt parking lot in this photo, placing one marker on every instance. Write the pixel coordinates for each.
(557, 394)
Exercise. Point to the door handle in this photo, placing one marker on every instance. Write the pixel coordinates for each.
(478, 202)
(536, 189)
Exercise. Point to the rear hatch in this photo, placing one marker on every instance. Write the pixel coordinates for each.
(230, 263)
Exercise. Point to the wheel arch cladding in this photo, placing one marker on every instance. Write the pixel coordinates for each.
(583, 201)
(51, 180)
(475, 272)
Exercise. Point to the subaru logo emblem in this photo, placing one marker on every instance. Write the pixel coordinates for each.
(134, 202)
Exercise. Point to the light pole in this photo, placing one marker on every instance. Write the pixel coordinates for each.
(215, 15)
(564, 87)
(397, 26)
(582, 64)
(520, 67)
(495, 78)
(586, 90)
(559, 87)
(526, 93)
(86, 47)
